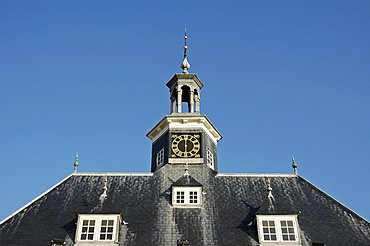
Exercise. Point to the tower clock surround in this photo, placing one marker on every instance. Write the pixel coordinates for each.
(163, 138)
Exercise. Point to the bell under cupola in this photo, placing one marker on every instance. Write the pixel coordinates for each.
(185, 136)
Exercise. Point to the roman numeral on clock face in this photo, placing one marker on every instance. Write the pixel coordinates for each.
(186, 145)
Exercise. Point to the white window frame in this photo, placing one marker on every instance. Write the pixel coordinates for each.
(160, 157)
(98, 218)
(280, 235)
(210, 159)
(188, 196)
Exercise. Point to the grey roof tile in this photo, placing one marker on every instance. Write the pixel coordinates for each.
(226, 217)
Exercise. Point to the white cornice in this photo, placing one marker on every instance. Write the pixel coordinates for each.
(185, 122)
(185, 79)
(255, 175)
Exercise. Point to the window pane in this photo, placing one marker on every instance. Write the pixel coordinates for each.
(209, 158)
(180, 197)
(87, 230)
(287, 230)
(268, 230)
(106, 230)
(193, 197)
(160, 157)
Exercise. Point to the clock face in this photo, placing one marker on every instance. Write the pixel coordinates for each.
(185, 145)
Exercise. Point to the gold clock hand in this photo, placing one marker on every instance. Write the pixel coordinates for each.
(186, 145)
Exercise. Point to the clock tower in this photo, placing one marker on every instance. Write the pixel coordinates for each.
(185, 136)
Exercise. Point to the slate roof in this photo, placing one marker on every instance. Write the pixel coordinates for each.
(186, 180)
(229, 206)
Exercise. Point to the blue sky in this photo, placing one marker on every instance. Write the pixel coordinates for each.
(281, 78)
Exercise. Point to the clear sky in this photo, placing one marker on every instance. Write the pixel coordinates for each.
(281, 78)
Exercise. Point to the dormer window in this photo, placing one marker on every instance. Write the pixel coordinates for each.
(97, 227)
(278, 228)
(187, 192)
(186, 196)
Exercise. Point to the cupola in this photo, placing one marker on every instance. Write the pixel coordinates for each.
(185, 136)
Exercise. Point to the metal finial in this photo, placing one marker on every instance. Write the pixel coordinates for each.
(270, 197)
(185, 64)
(185, 46)
(186, 169)
(75, 164)
(105, 188)
(269, 189)
(294, 165)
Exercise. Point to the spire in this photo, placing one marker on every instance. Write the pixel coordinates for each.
(185, 64)
(294, 165)
(75, 164)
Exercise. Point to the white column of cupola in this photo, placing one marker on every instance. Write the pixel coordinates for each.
(186, 91)
(179, 100)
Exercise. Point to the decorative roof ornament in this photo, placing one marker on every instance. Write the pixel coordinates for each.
(269, 189)
(270, 197)
(185, 65)
(294, 165)
(105, 188)
(75, 164)
(186, 170)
